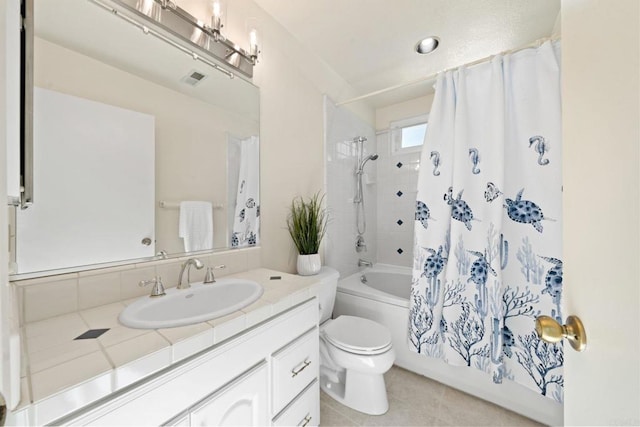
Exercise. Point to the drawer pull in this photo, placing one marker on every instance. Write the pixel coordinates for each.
(305, 421)
(301, 367)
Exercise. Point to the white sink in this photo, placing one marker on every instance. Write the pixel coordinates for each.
(199, 303)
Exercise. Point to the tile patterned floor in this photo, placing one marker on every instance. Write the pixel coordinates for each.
(415, 400)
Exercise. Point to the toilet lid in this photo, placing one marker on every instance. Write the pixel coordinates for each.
(357, 335)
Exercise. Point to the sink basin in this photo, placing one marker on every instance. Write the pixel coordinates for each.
(199, 303)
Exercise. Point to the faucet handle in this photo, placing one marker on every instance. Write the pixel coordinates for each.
(158, 287)
(209, 277)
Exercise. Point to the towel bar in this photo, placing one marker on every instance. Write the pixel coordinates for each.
(176, 205)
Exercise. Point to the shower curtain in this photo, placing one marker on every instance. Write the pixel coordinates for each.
(488, 229)
(246, 222)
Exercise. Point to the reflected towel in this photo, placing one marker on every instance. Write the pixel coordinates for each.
(196, 225)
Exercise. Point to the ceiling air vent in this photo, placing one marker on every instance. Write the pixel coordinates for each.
(193, 78)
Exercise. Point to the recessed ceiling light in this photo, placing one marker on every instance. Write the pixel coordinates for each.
(427, 45)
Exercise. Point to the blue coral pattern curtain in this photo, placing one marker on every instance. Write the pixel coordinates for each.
(488, 229)
(246, 223)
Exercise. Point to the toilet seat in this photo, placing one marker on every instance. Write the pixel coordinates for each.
(357, 335)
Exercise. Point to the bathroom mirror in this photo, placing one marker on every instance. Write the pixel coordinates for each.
(83, 53)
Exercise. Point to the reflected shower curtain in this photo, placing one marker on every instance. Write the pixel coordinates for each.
(488, 229)
(246, 222)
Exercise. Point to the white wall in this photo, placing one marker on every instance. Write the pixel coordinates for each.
(601, 134)
(397, 174)
(292, 83)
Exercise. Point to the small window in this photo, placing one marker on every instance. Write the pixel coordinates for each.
(408, 135)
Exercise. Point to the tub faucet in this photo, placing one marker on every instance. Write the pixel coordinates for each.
(186, 266)
(364, 263)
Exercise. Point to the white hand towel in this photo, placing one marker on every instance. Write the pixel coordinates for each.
(196, 225)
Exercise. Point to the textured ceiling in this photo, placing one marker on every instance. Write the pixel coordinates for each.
(370, 42)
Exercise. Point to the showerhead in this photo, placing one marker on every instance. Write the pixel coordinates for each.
(370, 157)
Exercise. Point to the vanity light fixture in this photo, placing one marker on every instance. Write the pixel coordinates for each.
(427, 45)
(177, 27)
(215, 31)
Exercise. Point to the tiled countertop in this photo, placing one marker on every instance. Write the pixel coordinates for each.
(56, 368)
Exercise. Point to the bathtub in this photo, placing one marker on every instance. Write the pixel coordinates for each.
(383, 295)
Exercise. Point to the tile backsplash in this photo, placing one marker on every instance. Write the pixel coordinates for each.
(50, 296)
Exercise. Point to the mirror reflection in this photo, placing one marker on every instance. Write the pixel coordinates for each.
(126, 129)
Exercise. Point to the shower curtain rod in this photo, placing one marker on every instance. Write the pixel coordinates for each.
(433, 76)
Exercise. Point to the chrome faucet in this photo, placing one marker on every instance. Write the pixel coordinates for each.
(364, 263)
(157, 290)
(186, 266)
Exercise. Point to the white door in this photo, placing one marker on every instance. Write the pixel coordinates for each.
(100, 206)
(244, 402)
(601, 116)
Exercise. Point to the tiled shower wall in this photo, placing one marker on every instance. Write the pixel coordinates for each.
(397, 185)
(341, 127)
(390, 187)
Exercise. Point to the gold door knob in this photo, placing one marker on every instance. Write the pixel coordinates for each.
(549, 330)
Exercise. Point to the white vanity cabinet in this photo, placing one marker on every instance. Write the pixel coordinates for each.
(244, 402)
(266, 375)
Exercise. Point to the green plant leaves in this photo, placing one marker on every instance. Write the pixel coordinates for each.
(307, 223)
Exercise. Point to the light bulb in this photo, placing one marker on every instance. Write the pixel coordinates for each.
(216, 22)
(253, 43)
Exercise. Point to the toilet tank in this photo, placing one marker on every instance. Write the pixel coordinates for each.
(328, 283)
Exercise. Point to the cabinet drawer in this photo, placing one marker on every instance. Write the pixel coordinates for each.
(304, 411)
(294, 367)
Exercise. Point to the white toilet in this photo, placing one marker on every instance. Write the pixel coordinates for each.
(354, 354)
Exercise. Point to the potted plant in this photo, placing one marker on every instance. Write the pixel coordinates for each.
(307, 224)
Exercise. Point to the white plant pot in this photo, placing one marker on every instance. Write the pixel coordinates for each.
(308, 265)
